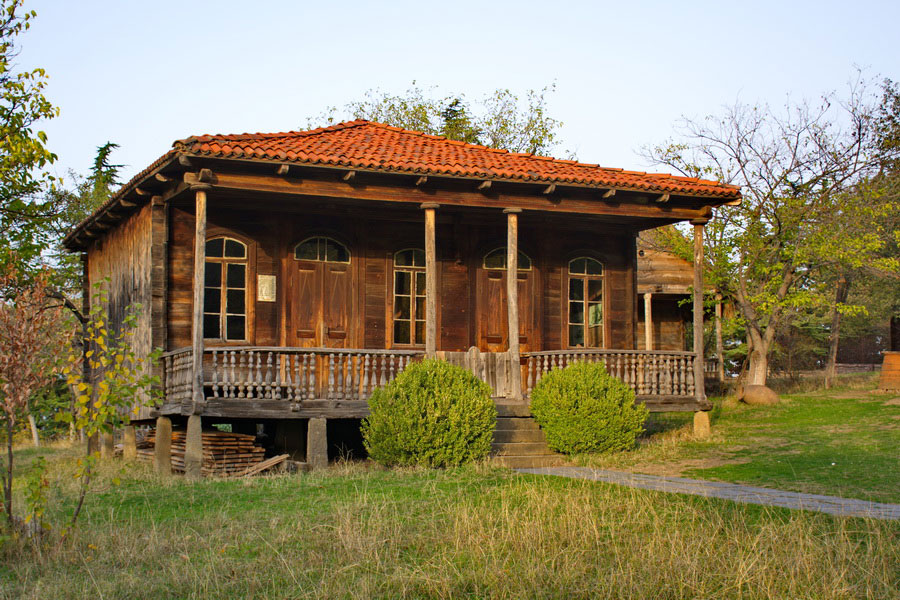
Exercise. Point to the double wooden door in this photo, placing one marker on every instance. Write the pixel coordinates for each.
(493, 323)
(319, 294)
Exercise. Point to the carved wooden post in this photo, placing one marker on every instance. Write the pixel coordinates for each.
(648, 321)
(129, 443)
(430, 281)
(512, 299)
(701, 421)
(193, 454)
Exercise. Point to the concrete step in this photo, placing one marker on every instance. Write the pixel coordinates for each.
(517, 423)
(529, 462)
(520, 449)
(512, 409)
(518, 435)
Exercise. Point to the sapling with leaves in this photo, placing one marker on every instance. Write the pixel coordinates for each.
(34, 337)
(119, 383)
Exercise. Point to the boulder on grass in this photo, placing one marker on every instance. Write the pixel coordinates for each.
(757, 395)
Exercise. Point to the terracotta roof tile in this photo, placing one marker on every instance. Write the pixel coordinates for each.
(370, 145)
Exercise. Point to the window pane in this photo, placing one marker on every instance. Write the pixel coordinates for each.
(212, 300)
(495, 259)
(401, 332)
(593, 267)
(595, 337)
(420, 332)
(335, 252)
(401, 282)
(211, 327)
(595, 289)
(577, 266)
(235, 275)
(576, 335)
(576, 289)
(420, 284)
(576, 312)
(307, 250)
(418, 258)
(404, 258)
(420, 307)
(524, 262)
(401, 307)
(595, 313)
(234, 327)
(212, 274)
(214, 247)
(234, 302)
(235, 249)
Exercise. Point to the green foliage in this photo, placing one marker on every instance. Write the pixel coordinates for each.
(35, 489)
(433, 414)
(501, 119)
(23, 155)
(582, 408)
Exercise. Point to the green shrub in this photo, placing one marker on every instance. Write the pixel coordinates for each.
(582, 408)
(433, 414)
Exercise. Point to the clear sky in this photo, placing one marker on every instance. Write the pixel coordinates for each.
(143, 74)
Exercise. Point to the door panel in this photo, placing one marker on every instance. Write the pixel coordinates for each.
(493, 329)
(336, 305)
(305, 298)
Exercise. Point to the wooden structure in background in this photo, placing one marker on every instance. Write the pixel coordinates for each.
(288, 275)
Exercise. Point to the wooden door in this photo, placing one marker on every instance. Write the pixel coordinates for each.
(320, 298)
(493, 325)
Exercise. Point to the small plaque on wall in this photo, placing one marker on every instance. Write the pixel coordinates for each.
(265, 288)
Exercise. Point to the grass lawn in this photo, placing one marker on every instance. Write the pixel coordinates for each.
(358, 531)
(843, 443)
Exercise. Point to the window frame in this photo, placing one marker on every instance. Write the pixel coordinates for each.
(504, 267)
(327, 238)
(249, 262)
(566, 302)
(413, 295)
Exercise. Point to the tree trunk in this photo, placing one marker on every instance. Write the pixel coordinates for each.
(758, 357)
(7, 479)
(842, 291)
(35, 438)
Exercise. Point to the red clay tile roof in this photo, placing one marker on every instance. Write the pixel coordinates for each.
(370, 145)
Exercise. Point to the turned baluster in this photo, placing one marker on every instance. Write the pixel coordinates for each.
(382, 371)
(366, 382)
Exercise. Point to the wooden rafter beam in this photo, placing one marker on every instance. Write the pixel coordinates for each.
(484, 185)
(609, 193)
(549, 189)
(126, 204)
(184, 161)
(162, 178)
(205, 176)
(349, 175)
(662, 199)
(421, 181)
(142, 192)
(283, 170)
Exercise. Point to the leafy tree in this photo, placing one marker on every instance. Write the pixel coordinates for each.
(23, 154)
(33, 339)
(500, 120)
(797, 169)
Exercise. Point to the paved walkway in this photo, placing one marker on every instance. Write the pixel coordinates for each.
(833, 505)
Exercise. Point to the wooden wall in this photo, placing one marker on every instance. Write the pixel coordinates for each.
(462, 240)
(669, 318)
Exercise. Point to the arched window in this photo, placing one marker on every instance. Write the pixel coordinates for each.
(225, 291)
(496, 259)
(585, 311)
(409, 296)
(322, 249)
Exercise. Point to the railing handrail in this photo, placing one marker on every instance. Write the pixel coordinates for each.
(579, 351)
(318, 350)
(176, 352)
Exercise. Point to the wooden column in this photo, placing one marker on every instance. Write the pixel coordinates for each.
(648, 321)
(430, 281)
(162, 450)
(699, 392)
(512, 299)
(720, 346)
(107, 445)
(199, 283)
(193, 447)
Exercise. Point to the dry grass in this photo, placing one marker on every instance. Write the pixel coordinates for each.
(361, 532)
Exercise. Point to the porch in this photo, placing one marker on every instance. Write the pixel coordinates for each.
(301, 383)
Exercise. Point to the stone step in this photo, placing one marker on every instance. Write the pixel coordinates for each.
(520, 449)
(517, 423)
(529, 462)
(512, 409)
(518, 435)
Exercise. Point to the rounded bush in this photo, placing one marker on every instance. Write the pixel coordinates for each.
(433, 414)
(582, 408)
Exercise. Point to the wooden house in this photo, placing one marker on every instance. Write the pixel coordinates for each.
(287, 275)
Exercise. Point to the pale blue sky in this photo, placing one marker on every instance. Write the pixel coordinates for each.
(143, 74)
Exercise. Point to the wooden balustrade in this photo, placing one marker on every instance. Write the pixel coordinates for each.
(297, 374)
(647, 372)
(177, 369)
